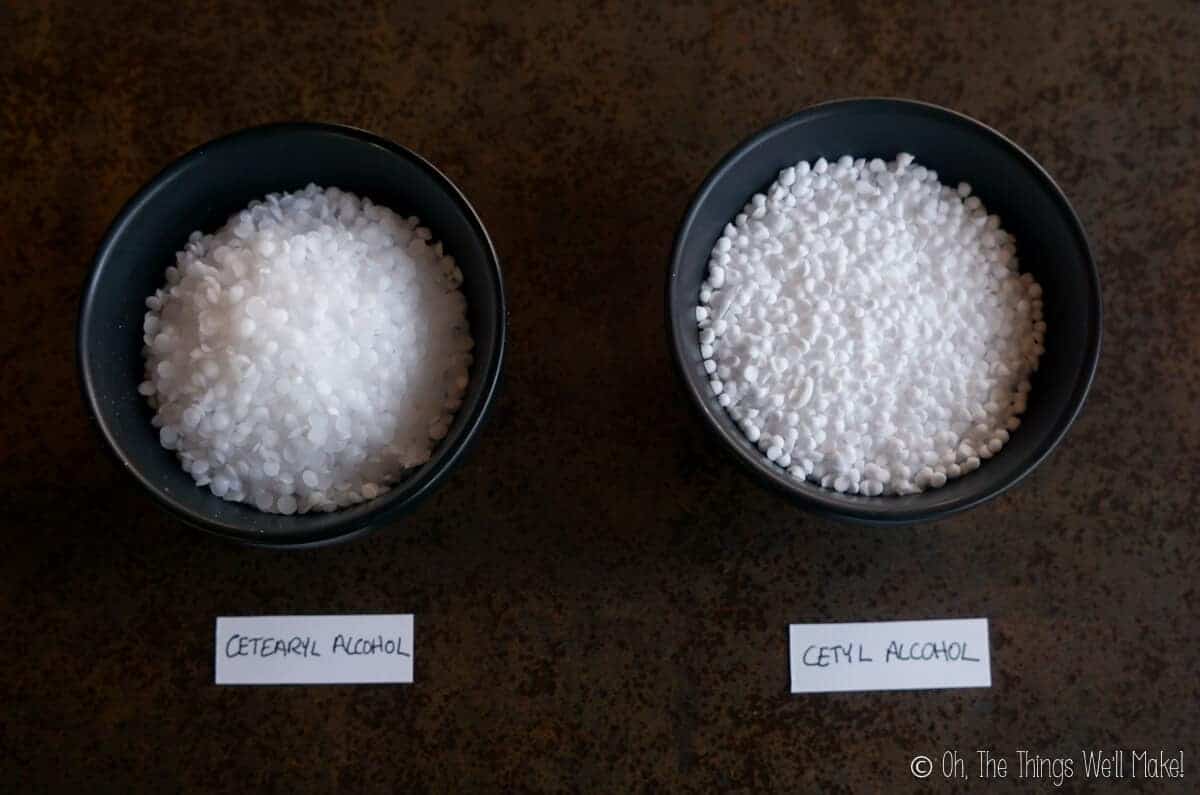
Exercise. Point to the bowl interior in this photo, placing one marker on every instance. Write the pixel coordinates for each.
(200, 191)
(1050, 245)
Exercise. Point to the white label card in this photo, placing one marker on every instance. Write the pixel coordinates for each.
(890, 655)
(314, 650)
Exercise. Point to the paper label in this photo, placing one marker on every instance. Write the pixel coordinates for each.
(890, 655)
(314, 650)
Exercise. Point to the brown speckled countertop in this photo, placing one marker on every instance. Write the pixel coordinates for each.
(601, 597)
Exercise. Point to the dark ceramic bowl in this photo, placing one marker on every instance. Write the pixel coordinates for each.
(1050, 244)
(200, 191)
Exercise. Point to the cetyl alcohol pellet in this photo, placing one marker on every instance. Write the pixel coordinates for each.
(309, 352)
(868, 328)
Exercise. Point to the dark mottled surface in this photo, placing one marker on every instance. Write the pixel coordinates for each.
(601, 598)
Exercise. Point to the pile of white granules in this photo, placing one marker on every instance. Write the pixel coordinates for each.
(867, 326)
(308, 352)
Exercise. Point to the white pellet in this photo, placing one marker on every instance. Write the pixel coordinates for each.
(307, 353)
(878, 315)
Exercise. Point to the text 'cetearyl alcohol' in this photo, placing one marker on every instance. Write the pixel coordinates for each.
(313, 650)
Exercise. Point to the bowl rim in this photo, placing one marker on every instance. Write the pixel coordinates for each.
(328, 528)
(879, 513)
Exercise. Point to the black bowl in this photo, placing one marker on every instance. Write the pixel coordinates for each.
(200, 191)
(1050, 244)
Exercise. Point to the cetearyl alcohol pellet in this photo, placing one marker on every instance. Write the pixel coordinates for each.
(306, 354)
